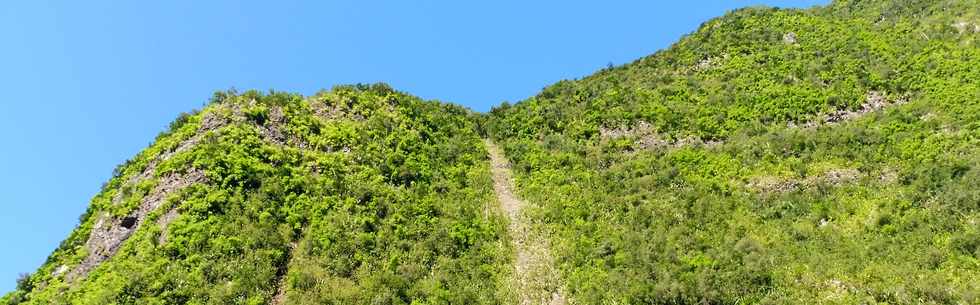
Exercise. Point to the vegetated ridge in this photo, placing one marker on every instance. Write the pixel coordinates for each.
(781, 156)
(356, 195)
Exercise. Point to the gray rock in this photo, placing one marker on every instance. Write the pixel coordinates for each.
(789, 38)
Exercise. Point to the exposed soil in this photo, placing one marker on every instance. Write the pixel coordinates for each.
(536, 281)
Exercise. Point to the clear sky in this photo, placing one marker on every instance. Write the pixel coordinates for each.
(84, 85)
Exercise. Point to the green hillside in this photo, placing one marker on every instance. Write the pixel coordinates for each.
(357, 195)
(780, 156)
(774, 156)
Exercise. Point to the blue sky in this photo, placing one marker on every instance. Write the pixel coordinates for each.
(87, 84)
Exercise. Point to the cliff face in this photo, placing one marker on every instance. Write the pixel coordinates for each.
(828, 155)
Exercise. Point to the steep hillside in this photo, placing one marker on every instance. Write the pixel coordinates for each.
(354, 196)
(828, 155)
(780, 156)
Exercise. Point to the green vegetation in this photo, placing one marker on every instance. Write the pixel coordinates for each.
(711, 172)
(828, 155)
(363, 194)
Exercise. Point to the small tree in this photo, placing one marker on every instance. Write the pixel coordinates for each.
(24, 282)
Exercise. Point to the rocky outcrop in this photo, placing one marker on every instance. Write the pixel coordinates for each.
(789, 38)
(109, 233)
(963, 27)
(164, 222)
(776, 185)
(874, 101)
(646, 138)
(271, 129)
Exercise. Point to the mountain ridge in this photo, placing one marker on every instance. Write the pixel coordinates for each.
(772, 156)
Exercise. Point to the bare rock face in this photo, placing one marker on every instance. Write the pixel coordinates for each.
(327, 112)
(704, 64)
(709, 63)
(769, 184)
(841, 176)
(966, 27)
(59, 271)
(210, 121)
(109, 232)
(777, 185)
(164, 223)
(271, 130)
(789, 38)
(888, 176)
(873, 101)
(645, 137)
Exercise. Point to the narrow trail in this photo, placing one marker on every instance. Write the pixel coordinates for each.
(535, 279)
(280, 297)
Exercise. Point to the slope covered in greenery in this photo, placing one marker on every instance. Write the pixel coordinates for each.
(827, 155)
(354, 196)
(780, 156)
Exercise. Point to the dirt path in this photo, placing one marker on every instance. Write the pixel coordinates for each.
(535, 279)
(280, 297)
